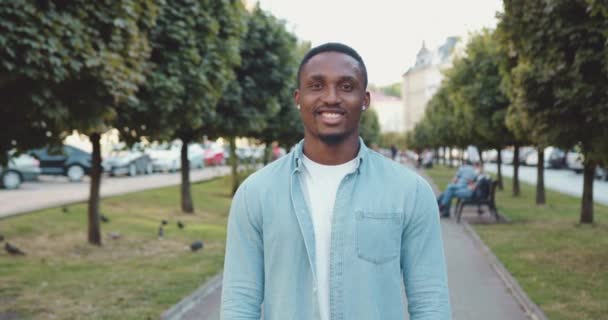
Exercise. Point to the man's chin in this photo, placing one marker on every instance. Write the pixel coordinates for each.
(333, 139)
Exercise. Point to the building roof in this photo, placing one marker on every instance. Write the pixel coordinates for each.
(426, 58)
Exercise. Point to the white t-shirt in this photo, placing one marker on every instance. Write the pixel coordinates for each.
(320, 184)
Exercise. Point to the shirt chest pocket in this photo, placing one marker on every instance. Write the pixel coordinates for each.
(378, 236)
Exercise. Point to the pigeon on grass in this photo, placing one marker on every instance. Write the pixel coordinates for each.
(11, 249)
(197, 245)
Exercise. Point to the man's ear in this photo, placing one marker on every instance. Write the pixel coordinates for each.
(296, 96)
(367, 100)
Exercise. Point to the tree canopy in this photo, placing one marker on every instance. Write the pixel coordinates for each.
(64, 66)
(560, 82)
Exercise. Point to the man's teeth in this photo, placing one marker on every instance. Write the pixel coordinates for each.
(331, 114)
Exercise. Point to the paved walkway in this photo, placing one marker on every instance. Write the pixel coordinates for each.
(477, 291)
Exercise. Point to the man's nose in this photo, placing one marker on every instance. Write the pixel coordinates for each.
(331, 96)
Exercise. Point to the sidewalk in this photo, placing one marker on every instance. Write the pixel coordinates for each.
(478, 290)
(50, 193)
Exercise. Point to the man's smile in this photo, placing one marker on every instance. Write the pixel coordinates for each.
(330, 116)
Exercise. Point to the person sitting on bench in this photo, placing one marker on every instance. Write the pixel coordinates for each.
(462, 186)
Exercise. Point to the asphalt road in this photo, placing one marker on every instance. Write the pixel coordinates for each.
(52, 191)
(564, 180)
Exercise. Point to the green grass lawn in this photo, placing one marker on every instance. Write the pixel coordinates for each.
(136, 276)
(562, 265)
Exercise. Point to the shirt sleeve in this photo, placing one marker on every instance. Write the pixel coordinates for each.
(422, 258)
(243, 282)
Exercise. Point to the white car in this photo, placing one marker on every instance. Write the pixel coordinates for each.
(165, 160)
(196, 156)
(128, 162)
(20, 168)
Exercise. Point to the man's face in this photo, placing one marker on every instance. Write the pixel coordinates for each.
(331, 96)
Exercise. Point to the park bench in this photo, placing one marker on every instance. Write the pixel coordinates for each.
(483, 194)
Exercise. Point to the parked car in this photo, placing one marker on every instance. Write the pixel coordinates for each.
(524, 152)
(19, 168)
(165, 160)
(214, 155)
(67, 160)
(555, 158)
(506, 156)
(575, 163)
(128, 162)
(196, 156)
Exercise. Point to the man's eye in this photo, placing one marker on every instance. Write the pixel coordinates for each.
(316, 85)
(347, 86)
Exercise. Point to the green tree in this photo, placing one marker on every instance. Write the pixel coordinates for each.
(561, 77)
(393, 90)
(69, 66)
(478, 91)
(195, 48)
(369, 127)
(396, 139)
(286, 127)
(254, 97)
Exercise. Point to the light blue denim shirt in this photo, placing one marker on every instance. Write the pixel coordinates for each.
(385, 233)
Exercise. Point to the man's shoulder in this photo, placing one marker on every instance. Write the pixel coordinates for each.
(270, 175)
(391, 170)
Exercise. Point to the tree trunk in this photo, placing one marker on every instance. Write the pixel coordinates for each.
(516, 190)
(587, 199)
(479, 155)
(94, 232)
(540, 177)
(267, 153)
(499, 168)
(436, 157)
(451, 158)
(234, 165)
(445, 155)
(187, 206)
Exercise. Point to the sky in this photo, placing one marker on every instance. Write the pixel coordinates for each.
(387, 34)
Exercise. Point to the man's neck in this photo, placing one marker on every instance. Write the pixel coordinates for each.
(331, 154)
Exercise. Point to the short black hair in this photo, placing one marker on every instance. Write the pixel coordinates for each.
(333, 47)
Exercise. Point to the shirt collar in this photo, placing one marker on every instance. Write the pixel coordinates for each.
(299, 155)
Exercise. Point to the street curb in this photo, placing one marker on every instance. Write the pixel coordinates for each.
(531, 309)
(179, 309)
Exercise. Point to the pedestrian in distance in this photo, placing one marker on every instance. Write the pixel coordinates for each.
(393, 152)
(334, 230)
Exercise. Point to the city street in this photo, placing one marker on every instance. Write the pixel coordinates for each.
(55, 190)
(565, 181)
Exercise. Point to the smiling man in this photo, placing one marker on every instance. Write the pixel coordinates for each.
(334, 231)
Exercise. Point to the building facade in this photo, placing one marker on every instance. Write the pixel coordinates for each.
(421, 81)
(389, 110)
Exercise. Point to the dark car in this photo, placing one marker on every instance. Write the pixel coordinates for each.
(556, 158)
(65, 161)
